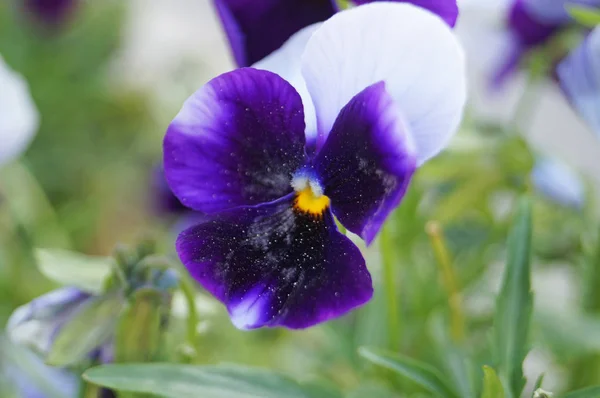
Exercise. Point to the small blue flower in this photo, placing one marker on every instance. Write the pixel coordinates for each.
(579, 76)
(557, 182)
(379, 90)
(257, 28)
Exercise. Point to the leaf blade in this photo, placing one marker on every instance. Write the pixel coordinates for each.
(422, 374)
(492, 386)
(187, 381)
(514, 304)
(68, 268)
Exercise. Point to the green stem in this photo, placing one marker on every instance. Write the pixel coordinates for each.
(188, 292)
(390, 287)
(442, 256)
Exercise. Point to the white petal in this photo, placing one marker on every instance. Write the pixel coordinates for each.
(286, 63)
(411, 49)
(18, 115)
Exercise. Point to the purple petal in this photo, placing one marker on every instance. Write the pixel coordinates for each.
(50, 12)
(235, 142)
(446, 9)
(579, 76)
(163, 199)
(257, 28)
(272, 265)
(367, 161)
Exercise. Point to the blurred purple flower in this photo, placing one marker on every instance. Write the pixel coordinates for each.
(558, 182)
(51, 13)
(530, 24)
(257, 28)
(579, 77)
(36, 324)
(32, 378)
(386, 85)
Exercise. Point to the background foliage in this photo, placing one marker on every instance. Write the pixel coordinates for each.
(454, 314)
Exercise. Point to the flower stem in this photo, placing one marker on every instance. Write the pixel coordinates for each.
(193, 319)
(390, 288)
(444, 262)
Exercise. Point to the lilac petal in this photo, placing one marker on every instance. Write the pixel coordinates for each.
(272, 265)
(558, 182)
(579, 76)
(32, 378)
(36, 324)
(235, 142)
(445, 9)
(367, 161)
(257, 28)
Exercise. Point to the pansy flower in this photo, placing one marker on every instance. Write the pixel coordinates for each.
(386, 82)
(531, 24)
(257, 28)
(579, 77)
(18, 115)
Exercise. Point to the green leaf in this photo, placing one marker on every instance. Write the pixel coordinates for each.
(138, 332)
(538, 382)
(423, 374)
(187, 381)
(514, 304)
(74, 269)
(586, 16)
(89, 328)
(492, 386)
(589, 392)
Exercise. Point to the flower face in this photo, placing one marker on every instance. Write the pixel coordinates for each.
(385, 83)
(18, 115)
(256, 29)
(579, 76)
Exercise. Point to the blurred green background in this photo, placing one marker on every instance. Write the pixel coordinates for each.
(85, 185)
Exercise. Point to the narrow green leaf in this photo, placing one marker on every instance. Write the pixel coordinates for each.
(492, 386)
(138, 333)
(187, 381)
(538, 382)
(90, 327)
(423, 374)
(514, 304)
(586, 16)
(589, 392)
(74, 269)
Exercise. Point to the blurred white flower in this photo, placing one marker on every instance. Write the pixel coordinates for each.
(19, 118)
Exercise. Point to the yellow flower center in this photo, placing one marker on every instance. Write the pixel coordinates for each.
(309, 202)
